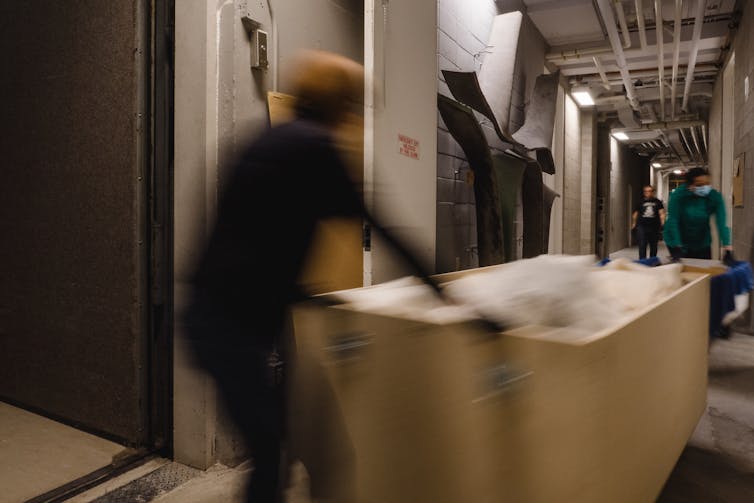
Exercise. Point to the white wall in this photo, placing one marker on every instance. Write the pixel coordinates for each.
(571, 168)
(556, 181)
(588, 180)
(401, 96)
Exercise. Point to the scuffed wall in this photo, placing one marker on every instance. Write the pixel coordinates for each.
(628, 173)
(743, 230)
(462, 34)
(571, 165)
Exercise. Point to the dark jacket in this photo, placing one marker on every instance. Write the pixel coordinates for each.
(287, 180)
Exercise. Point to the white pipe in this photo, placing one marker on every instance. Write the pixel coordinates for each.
(601, 70)
(620, 59)
(660, 56)
(701, 5)
(676, 51)
(273, 24)
(564, 56)
(637, 74)
(696, 143)
(640, 22)
(623, 26)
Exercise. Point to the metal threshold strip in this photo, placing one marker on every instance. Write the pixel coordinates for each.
(81, 484)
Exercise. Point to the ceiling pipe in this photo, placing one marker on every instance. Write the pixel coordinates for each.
(637, 74)
(660, 55)
(667, 125)
(676, 53)
(622, 21)
(696, 144)
(601, 70)
(704, 137)
(701, 5)
(672, 148)
(686, 144)
(640, 22)
(607, 16)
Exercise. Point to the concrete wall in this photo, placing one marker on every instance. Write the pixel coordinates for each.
(588, 123)
(401, 99)
(219, 104)
(462, 34)
(557, 181)
(743, 230)
(628, 172)
(571, 195)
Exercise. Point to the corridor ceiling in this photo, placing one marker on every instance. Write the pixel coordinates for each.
(610, 49)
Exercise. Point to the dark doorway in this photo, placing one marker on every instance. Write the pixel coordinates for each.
(86, 205)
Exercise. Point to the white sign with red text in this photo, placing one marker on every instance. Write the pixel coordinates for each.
(408, 146)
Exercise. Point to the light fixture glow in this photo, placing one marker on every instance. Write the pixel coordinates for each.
(620, 135)
(583, 98)
(677, 171)
(656, 165)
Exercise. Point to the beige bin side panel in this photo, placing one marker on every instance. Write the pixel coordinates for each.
(406, 403)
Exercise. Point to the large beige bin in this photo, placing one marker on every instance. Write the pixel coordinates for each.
(437, 413)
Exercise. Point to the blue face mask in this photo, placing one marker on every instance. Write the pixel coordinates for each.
(703, 190)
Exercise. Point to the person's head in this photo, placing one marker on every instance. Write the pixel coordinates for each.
(326, 86)
(648, 191)
(698, 181)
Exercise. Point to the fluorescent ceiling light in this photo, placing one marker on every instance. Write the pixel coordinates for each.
(677, 171)
(583, 98)
(620, 135)
(656, 165)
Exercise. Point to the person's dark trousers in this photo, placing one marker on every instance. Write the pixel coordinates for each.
(254, 400)
(704, 253)
(647, 236)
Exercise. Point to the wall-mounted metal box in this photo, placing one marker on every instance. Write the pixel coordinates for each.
(259, 49)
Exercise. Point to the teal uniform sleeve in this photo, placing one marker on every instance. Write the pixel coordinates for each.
(722, 229)
(672, 232)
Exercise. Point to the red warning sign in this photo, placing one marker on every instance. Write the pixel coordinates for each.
(408, 146)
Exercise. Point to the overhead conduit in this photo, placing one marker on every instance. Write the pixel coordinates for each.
(606, 12)
(695, 38)
(660, 56)
(676, 51)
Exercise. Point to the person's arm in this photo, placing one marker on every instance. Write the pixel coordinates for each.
(662, 217)
(634, 216)
(720, 217)
(672, 232)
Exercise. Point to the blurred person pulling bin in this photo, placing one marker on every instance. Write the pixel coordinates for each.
(687, 229)
(648, 218)
(287, 180)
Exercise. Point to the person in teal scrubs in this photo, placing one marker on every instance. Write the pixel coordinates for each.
(687, 228)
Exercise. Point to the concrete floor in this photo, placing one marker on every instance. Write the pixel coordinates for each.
(718, 463)
(38, 454)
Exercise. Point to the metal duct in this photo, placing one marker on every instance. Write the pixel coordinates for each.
(676, 51)
(620, 59)
(660, 55)
(640, 23)
(701, 5)
(623, 26)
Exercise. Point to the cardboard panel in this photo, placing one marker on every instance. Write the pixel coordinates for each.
(432, 413)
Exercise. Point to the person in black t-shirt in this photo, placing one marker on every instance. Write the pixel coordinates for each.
(648, 218)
